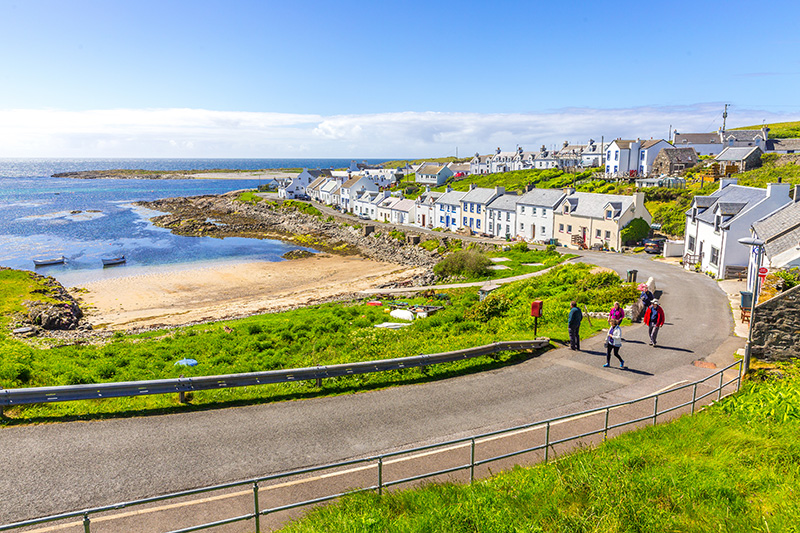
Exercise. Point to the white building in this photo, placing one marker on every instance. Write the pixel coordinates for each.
(352, 189)
(502, 216)
(503, 161)
(633, 158)
(425, 209)
(703, 143)
(535, 210)
(780, 231)
(367, 203)
(384, 208)
(448, 210)
(715, 223)
(402, 212)
(433, 174)
(480, 164)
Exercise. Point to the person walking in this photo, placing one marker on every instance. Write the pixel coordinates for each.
(654, 318)
(613, 343)
(574, 326)
(616, 313)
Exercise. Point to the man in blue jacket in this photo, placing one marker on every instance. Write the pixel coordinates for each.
(574, 326)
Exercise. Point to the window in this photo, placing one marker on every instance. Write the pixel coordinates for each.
(616, 168)
(508, 217)
(561, 228)
(609, 213)
(533, 210)
(694, 214)
(441, 207)
(717, 223)
(544, 230)
(471, 222)
(544, 212)
(490, 226)
(569, 228)
(616, 157)
(478, 224)
(441, 220)
(521, 226)
(522, 209)
(714, 256)
(599, 234)
(478, 210)
(465, 221)
(608, 235)
(471, 208)
(691, 243)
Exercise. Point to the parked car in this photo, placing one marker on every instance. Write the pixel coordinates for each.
(363, 216)
(654, 246)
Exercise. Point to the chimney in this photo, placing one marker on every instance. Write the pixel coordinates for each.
(499, 190)
(779, 191)
(471, 186)
(566, 143)
(448, 189)
(498, 150)
(797, 193)
(724, 182)
(638, 201)
(568, 190)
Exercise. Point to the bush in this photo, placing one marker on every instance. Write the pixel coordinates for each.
(491, 307)
(636, 230)
(468, 263)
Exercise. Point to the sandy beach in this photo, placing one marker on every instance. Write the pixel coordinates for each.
(229, 290)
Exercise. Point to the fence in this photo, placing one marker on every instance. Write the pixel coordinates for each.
(181, 386)
(550, 443)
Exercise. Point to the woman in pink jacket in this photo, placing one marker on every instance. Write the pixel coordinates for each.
(616, 313)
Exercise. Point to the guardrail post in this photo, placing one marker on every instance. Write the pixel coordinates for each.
(257, 512)
(472, 461)
(694, 396)
(547, 443)
(380, 476)
(655, 410)
(86, 528)
(605, 428)
(738, 381)
(719, 392)
(181, 395)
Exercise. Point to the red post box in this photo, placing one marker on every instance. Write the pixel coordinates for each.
(536, 308)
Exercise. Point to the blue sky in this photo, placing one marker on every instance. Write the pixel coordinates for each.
(374, 79)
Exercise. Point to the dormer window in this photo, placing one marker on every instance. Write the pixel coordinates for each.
(694, 214)
(717, 222)
(609, 213)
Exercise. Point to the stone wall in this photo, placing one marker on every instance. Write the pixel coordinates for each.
(776, 328)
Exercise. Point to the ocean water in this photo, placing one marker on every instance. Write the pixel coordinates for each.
(86, 220)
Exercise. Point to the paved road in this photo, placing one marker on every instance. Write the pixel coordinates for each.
(61, 467)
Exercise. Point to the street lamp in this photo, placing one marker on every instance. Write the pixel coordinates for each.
(757, 246)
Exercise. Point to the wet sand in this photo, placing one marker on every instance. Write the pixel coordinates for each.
(229, 290)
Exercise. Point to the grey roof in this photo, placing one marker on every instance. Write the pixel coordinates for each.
(451, 198)
(404, 205)
(479, 195)
(742, 135)
(505, 202)
(729, 209)
(428, 197)
(780, 229)
(732, 194)
(697, 138)
(680, 155)
(592, 204)
(783, 144)
(736, 153)
(428, 168)
(543, 197)
(704, 201)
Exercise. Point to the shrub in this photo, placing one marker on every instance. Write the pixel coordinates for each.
(469, 263)
(491, 307)
(636, 230)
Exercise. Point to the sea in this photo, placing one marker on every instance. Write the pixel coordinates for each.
(86, 220)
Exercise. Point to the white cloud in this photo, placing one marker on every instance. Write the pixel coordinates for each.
(205, 133)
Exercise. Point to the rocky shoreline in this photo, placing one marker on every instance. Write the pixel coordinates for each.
(223, 216)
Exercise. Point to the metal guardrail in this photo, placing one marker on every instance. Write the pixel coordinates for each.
(94, 391)
(379, 460)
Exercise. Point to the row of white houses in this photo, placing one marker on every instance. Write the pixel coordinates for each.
(538, 215)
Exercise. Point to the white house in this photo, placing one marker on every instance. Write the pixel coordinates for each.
(545, 159)
(585, 219)
(382, 177)
(433, 174)
(480, 164)
(503, 161)
(523, 160)
(715, 223)
(402, 212)
(535, 210)
(329, 192)
(780, 231)
(502, 216)
(448, 210)
(384, 208)
(633, 158)
(473, 207)
(298, 185)
(425, 209)
(313, 190)
(367, 203)
(352, 189)
(703, 143)
(745, 138)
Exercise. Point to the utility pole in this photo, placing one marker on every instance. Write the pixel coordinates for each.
(669, 137)
(725, 117)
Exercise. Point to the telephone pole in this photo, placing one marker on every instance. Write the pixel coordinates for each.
(725, 117)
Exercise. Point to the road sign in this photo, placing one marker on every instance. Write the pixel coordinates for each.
(762, 272)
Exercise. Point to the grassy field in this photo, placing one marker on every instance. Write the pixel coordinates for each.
(778, 130)
(320, 335)
(732, 468)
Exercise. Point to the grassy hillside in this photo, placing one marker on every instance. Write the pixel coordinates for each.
(399, 163)
(734, 467)
(320, 335)
(778, 130)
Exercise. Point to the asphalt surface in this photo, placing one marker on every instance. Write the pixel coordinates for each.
(55, 468)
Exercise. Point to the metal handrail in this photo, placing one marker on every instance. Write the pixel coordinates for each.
(94, 391)
(378, 460)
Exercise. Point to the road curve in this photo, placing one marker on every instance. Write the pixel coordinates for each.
(55, 468)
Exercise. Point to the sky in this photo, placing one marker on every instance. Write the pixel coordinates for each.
(368, 79)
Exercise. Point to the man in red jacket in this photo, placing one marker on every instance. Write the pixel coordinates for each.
(654, 318)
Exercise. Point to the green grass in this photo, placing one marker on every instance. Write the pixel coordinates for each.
(778, 130)
(320, 335)
(735, 467)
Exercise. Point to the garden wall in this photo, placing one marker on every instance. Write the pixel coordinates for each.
(776, 329)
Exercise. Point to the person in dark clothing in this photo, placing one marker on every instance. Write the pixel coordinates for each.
(574, 326)
(654, 318)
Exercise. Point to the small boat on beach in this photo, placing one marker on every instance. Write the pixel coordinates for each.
(113, 261)
(52, 261)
